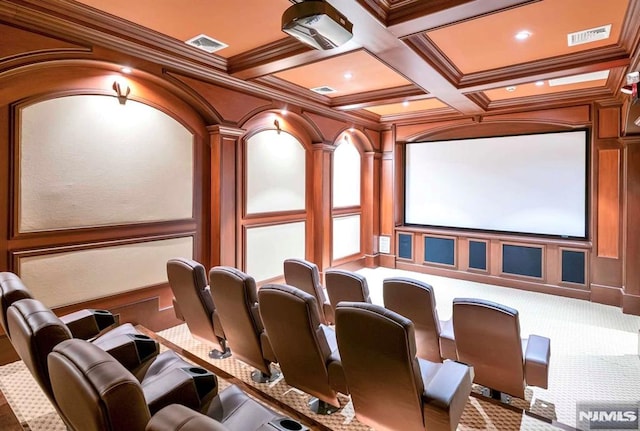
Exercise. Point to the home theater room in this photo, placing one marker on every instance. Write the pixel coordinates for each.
(334, 215)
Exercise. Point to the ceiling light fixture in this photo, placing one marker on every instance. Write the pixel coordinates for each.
(522, 35)
(126, 70)
(405, 103)
(348, 75)
(539, 83)
(511, 88)
(317, 24)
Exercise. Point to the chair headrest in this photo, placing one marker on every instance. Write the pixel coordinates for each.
(227, 274)
(94, 391)
(11, 290)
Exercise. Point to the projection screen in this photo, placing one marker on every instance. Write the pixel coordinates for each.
(531, 184)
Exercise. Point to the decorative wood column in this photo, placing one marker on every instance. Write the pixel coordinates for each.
(631, 225)
(367, 218)
(224, 143)
(388, 197)
(320, 216)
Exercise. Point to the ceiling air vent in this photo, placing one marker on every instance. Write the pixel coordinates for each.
(590, 35)
(325, 89)
(206, 43)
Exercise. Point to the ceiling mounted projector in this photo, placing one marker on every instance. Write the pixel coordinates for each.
(317, 24)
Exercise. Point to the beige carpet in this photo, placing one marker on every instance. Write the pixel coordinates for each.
(594, 357)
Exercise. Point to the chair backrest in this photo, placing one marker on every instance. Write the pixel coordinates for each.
(415, 300)
(291, 319)
(305, 276)
(11, 290)
(378, 352)
(188, 281)
(346, 286)
(488, 338)
(94, 392)
(236, 296)
(35, 332)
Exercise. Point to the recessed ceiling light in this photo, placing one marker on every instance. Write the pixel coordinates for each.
(126, 70)
(348, 75)
(284, 111)
(405, 103)
(511, 88)
(522, 35)
(539, 83)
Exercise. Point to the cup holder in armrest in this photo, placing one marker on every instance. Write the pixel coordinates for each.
(146, 346)
(204, 380)
(288, 424)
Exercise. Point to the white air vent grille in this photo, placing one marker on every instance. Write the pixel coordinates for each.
(583, 77)
(206, 43)
(325, 89)
(590, 35)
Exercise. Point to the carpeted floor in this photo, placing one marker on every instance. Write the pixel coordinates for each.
(594, 357)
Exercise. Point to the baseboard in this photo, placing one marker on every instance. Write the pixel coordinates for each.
(631, 304)
(609, 295)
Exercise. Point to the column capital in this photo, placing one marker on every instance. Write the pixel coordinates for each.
(220, 129)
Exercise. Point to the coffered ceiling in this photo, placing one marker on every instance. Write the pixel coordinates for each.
(408, 58)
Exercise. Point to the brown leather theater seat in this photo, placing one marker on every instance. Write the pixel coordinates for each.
(135, 350)
(95, 393)
(416, 301)
(36, 331)
(488, 338)
(306, 349)
(390, 387)
(345, 286)
(188, 281)
(236, 296)
(305, 276)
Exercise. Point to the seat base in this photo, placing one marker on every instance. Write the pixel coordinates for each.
(260, 377)
(217, 354)
(497, 395)
(321, 407)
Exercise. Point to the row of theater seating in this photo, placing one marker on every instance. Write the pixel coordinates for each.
(377, 355)
(102, 378)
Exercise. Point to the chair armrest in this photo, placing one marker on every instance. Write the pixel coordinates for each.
(176, 416)
(193, 387)
(88, 323)
(328, 313)
(446, 394)
(536, 361)
(131, 350)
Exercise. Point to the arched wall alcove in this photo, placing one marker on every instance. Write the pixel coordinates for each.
(116, 242)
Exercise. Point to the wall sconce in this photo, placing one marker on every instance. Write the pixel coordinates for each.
(122, 96)
(277, 124)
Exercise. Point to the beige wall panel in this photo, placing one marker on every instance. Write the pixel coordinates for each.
(346, 236)
(70, 277)
(346, 175)
(275, 173)
(268, 246)
(89, 161)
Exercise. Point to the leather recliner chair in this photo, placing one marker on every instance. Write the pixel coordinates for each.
(236, 296)
(305, 276)
(488, 338)
(169, 379)
(345, 286)
(390, 387)
(416, 301)
(192, 296)
(306, 349)
(135, 350)
(95, 393)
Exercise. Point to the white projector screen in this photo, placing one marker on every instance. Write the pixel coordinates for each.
(533, 184)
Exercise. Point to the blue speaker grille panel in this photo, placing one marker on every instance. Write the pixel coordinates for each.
(573, 263)
(521, 260)
(439, 250)
(478, 255)
(405, 246)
